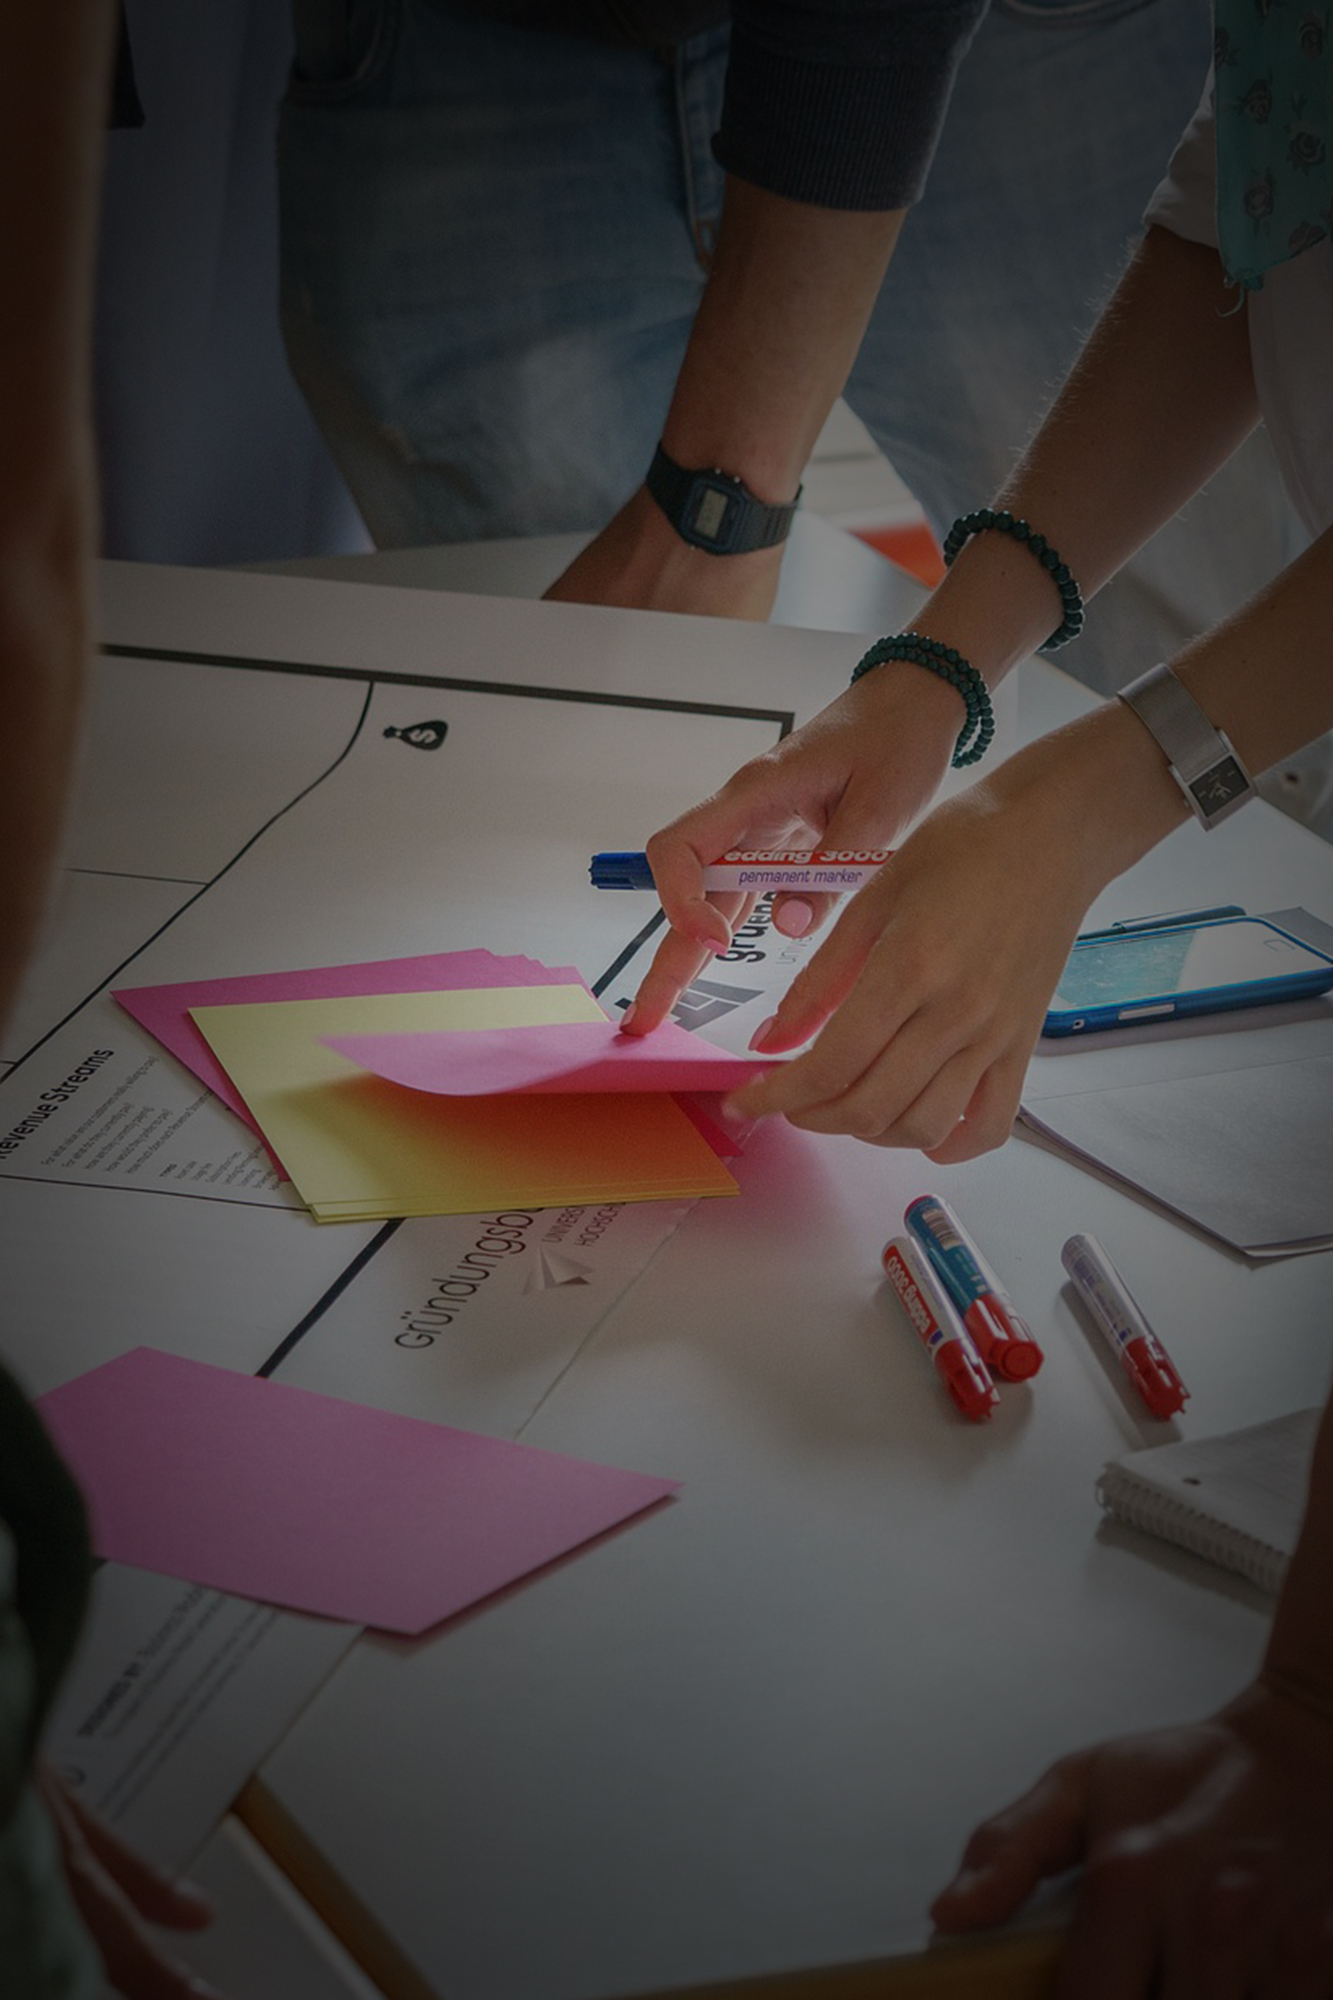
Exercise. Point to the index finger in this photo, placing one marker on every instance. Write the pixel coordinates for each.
(677, 962)
(701, 924)
(738, 815)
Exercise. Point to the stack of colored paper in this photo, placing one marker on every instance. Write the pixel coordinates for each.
(447, 1085)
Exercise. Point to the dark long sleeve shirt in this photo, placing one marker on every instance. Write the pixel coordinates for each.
(834, 102)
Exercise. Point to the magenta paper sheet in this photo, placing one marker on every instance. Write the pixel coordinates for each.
(269, 1491)
(567, 1056)
(164, 1010)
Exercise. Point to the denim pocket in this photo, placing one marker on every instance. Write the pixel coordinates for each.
(1071, 13)
(340, 44)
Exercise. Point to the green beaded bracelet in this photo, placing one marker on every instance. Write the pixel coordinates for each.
(976, 734)
(1006, 523)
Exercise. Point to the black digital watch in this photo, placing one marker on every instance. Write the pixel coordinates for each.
(714, 510)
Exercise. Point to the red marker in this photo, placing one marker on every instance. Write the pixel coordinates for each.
(1004, 1339)
(940, 1331)
(1139, 1351)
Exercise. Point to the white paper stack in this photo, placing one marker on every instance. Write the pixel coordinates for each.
(1237, 1499)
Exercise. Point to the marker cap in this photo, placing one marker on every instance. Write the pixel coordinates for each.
(1003, 1341)
(964, 1376)
(620, 871)
(1154, 1376)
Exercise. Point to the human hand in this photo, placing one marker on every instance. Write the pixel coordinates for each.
(1207, 1856)
(639, 561)
(119, 1895)
(851, 778)
(935, 980)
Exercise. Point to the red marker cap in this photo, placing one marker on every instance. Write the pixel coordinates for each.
(1003, 1340)
(1153, 1374)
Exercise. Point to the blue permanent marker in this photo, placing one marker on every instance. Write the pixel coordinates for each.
(757, 871)
(1003, 1338)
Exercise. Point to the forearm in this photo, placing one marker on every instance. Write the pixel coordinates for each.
(1162, 394)
(788, 296)
(53, 106)
(1261, 676)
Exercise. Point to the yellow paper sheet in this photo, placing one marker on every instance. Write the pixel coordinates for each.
(360, 1149)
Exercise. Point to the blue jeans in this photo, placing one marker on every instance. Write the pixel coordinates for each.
(494, 242)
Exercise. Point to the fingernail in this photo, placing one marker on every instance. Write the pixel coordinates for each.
(628, 1015)
(760, 1035)
(794, 918)
(732, 1112)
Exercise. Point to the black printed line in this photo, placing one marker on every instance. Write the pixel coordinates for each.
(190, 901)
(137, 875)
(662, 704)
(654, 923)
(334, 1292)
(143, 1187)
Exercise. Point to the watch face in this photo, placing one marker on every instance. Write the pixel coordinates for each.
(710, 512)
(1219, 786)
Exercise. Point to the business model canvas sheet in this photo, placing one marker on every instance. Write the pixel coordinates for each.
(238, 814)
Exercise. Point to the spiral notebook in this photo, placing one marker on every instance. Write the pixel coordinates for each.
(1237, 1499)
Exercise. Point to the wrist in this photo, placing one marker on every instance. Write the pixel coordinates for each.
(670, 571)
(638, 560)
(899, 688)
(1288, 1715)
(713, 509)
(770, 465)
(1104, 789)
(997, 604)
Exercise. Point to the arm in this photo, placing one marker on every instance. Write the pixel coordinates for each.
(54, 88)
(1161, 395)
(54, 95)
(787, 300)
(1207, 1850)
(831, 115)
(922, 1051)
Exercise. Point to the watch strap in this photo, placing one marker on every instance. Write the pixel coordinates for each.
(716, 511)
(1202, 760)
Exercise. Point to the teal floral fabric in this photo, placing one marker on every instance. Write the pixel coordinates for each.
(1274, 96)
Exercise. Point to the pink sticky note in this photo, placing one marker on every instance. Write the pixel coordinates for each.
(270, 1491)
(560, 1057)
(164, 1010)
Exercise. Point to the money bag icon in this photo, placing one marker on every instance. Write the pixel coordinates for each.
(422, 735)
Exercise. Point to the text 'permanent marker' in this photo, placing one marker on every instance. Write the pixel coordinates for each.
(1114, 1312)
(827, 871)
(1004, 1339)
(940, 1331)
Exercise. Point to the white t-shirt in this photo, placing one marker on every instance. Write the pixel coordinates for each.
(1291, 325)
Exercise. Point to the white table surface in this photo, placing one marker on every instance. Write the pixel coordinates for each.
(749, 1733)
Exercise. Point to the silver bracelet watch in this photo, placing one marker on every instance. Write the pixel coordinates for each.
(1202, 761)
